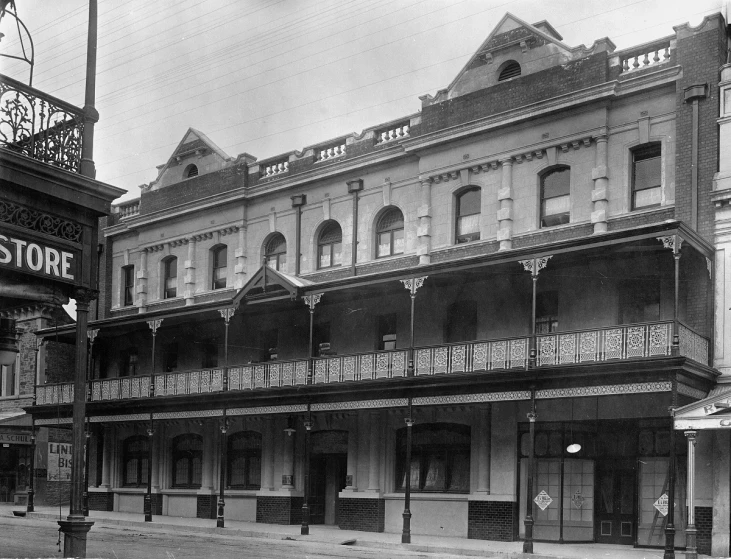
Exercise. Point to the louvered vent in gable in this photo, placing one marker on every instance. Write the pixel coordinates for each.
(510, 70)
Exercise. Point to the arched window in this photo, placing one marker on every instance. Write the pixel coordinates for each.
(555, 199)
(244, 460)
(510, 70)
(390, 233)
(187, 460)
(330, 246)
(440, 458)
(191, 171)
(275, 252)
(468, 216)
(170, 277)
(135, 452)
(219, 263)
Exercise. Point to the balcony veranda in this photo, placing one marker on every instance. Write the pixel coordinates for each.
(502, 356)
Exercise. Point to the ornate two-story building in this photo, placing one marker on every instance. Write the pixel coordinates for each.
(497, 298)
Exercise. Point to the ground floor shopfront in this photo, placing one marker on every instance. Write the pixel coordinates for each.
(468, 469)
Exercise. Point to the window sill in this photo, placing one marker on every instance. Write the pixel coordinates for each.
(13, 397)
(328, 268)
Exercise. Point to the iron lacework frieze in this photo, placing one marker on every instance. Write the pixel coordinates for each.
(20, 216)
(39, 126)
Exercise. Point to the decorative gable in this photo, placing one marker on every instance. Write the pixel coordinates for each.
(513, 44)
(195, 155)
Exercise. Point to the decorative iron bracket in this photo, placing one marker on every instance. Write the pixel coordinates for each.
(312, 300)
(535, 265)
(413, 284)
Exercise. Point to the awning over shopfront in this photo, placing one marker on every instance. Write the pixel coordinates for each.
(713, 412)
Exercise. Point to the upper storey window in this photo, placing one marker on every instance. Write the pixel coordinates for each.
(510, 70)
(555, 199)
(468, 216)
(275, 252)
(170, 277)
(646, 176)
(219, 257)
(330, 246)
(128, 285)
(390, 233)
(191, 171)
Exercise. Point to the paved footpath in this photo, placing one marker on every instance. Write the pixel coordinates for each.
(335, 536)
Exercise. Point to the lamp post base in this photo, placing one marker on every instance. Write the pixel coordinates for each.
(75, 529)
(406, 533)
(219, 517)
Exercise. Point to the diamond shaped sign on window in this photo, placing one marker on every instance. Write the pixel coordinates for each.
(543, 499)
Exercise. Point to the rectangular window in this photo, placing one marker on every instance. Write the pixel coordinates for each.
(546, 312)
(170, 357)
(210, 354)
(387, 331)
(647, 176)
(268, 343)
(128, 285)
(640, 301)
(10, 379)
(461, 323)
(128, 366)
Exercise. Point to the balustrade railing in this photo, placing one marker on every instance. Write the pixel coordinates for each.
(40, 126)
(562, 348)
(393, 132)
(693, 346)
(329, 152)
(129, 209)
(273, 169)
(364, 366)
(652, 54)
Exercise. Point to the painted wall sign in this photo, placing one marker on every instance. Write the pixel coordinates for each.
(543, 499)
(24, 253)
(59, 462)
(14, 438)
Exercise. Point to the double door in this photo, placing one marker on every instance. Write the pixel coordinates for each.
(615, 501)
(327, 479)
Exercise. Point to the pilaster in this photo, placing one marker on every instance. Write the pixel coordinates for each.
(601, 181)
(505, 210)
(374, 462)
(240, 254)
(189, 291)
(424, 230)
(142, 282)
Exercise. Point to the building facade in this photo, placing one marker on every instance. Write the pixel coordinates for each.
(511, 286)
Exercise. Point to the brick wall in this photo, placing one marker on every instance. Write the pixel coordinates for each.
(101, 501)
(700, 54)
(194, 189)
(205, 506)
(516, 93)
(704, 525)
(367, 515)
(60, 362)
(491, 520)
(279, 510)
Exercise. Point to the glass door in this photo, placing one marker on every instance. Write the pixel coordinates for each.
(615, 501)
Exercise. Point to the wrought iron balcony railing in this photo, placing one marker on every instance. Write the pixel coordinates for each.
(40, 126)
(584, 346)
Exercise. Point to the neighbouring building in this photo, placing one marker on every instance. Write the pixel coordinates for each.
(536, 242)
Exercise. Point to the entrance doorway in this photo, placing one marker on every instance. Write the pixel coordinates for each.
(615, 498)
(327, 479)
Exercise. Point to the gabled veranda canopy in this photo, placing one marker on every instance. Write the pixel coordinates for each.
(268, 283)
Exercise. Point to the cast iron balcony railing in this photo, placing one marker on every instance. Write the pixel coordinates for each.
(631, 341)
(40, 126)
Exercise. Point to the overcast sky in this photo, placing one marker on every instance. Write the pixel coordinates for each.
(271, 76)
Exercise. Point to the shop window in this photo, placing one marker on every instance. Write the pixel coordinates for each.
(555, 197)
(244, 460)
(219, 266)
(330, 246)
(170, 277)
(187, 460)
(387, 331)
(646, 176)
(128, 366)
(390, 233)
(468, 216)
(10, 379)
(461, 323)
(128, 285)
(440, 458)
(135, 453)
(546, 312)
(210, 354)
(170, 357)
(639, 301)
(275, 252)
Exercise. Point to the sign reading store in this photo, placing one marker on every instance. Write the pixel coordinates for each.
(26, 254)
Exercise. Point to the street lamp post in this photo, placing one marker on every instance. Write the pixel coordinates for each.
(305, 530)
(147, 503)
(91, 335)
(528, 543)
(220, 523)
(406, 534)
